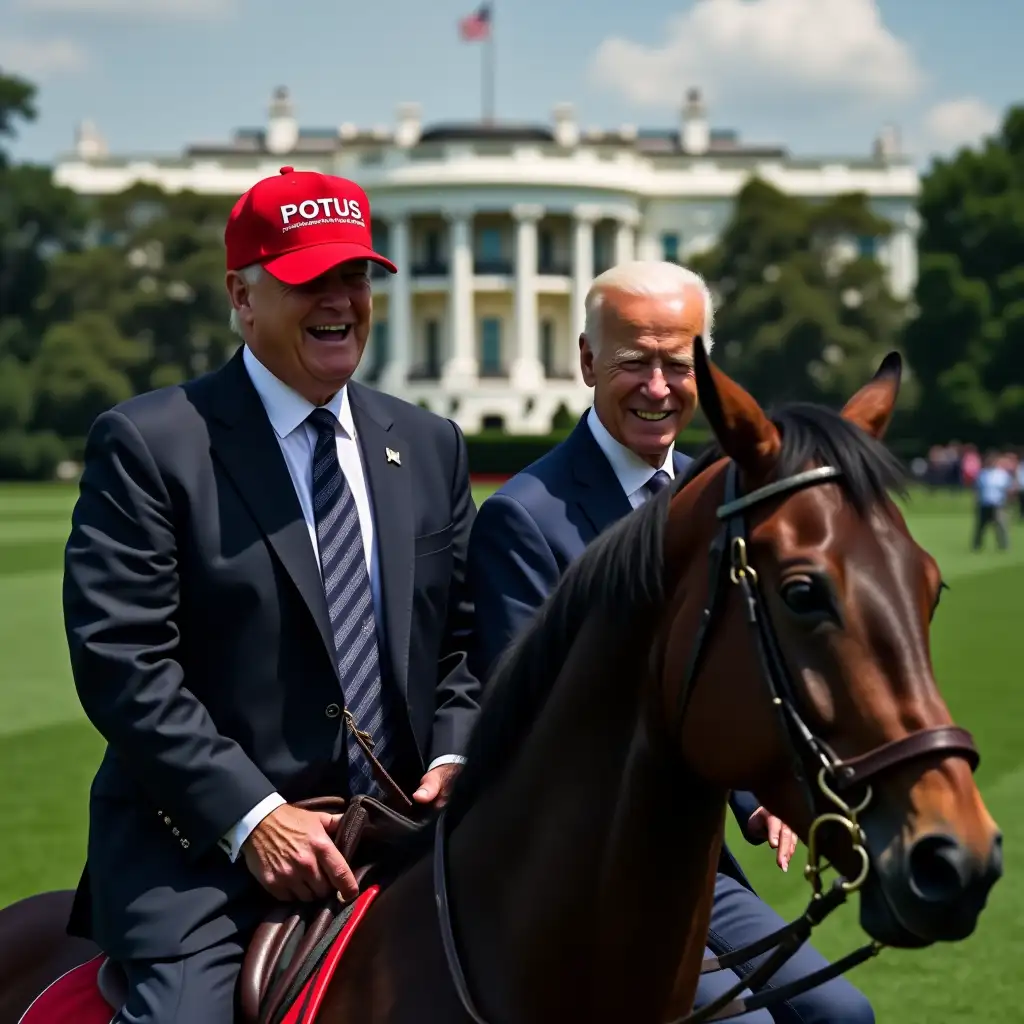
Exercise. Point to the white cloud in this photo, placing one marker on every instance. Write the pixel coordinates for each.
(744, 49)
(195, 10)
(961, 122)
(42, 58)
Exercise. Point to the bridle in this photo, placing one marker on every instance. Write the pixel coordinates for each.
(836, 779)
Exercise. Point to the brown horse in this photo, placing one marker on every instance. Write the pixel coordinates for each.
(572, 870)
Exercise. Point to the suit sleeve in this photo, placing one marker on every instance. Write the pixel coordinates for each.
(121, 597)
(458, 694)
(511, 572)
(743, 805)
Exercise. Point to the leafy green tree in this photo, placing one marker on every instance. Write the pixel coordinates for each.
(83, 368)
(967, 343)
(803, 311)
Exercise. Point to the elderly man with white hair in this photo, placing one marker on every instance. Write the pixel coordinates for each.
(636, 352)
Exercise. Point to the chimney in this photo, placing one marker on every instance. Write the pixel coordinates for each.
(89, 144)
(567, 131)
(887, 144)
(695, 136)
(410, 125)
(282, 128)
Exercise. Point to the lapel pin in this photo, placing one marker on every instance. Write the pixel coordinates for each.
(393, 456)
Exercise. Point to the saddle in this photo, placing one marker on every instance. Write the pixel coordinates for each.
(290, 943)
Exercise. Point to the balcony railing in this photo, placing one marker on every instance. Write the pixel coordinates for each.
(425, 372)
(430, 268)
(556, 268)
(491, 266)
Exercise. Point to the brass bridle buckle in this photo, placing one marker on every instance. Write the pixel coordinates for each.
(847, 819)
(740, 567)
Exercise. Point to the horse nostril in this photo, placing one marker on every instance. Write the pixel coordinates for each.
(938, 868)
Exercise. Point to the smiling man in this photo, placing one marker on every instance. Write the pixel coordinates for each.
(265, 601)
(636, 352)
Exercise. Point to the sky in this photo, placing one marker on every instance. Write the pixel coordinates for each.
(820, 77)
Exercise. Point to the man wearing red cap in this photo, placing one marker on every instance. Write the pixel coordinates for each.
(264, 600)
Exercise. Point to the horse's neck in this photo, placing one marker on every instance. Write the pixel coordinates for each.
(580, 879)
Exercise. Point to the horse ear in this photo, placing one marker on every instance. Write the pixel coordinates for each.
(745, 433)
(871, 407)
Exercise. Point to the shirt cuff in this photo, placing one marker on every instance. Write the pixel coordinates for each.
(231, 842)
(445, 759)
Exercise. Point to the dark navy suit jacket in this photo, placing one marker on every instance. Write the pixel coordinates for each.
(523, 539)
(201, 645)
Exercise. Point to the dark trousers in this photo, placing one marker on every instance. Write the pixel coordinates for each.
(197, 989)
(994, 516)
(738, 917)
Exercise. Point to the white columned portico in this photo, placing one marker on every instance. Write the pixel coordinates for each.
(902, 255)
(625, 238)
(461, 367)
(648, 247)
(396, 369)
(585, 217)
(527, 371)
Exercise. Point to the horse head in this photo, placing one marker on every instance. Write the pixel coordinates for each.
(812, 639)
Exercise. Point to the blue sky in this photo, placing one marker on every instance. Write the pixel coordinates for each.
(819, 76)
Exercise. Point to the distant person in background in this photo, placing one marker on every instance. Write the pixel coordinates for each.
(1019, 477)
(970, 466)
(992, 487)
(636, 352)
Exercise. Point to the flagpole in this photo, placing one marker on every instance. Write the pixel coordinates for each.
(487, 70)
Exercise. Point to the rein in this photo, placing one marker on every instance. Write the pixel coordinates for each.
(834, 777)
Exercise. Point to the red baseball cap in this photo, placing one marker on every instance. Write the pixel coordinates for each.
(299, 225)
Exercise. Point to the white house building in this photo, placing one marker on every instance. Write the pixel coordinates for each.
(498, 230)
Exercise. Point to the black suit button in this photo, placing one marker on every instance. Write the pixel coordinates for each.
(332, 710)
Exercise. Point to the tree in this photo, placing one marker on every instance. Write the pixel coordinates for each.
(37, 220)
(17, 103)
(967, 343)
(804, 311)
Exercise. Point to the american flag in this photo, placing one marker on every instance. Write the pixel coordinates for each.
(477, 25)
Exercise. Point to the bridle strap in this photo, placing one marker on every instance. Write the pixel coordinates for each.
(444, 916)
(947, 739)
(734, 505)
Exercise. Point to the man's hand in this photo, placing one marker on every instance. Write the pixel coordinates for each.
(291, 854)
(779, 835)
(435, 785)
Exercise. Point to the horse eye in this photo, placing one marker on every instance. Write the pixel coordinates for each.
(807, 597)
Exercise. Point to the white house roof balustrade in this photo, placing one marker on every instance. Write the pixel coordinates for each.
(499, 229)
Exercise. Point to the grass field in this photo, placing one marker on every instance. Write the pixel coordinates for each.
(48, 751)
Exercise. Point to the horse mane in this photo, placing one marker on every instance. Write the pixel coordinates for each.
(620, 572)
(622, 569)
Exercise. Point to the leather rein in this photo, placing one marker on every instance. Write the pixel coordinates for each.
(836, 778)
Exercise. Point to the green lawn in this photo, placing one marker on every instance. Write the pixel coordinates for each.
(48, 752)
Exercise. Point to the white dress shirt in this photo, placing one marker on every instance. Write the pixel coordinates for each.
(288, 413)
(631, 471)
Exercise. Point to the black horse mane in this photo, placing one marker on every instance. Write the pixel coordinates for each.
(623, 569)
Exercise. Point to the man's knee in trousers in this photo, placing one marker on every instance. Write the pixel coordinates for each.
(197, 989)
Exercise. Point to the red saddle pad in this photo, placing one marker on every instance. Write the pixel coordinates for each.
(307, 1004)
(74, 998)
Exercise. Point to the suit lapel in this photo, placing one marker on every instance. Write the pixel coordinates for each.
(391, 494)
(598, 493)
(244, 441)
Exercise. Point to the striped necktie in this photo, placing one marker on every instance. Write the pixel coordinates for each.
(350, 604)
(658, 482)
